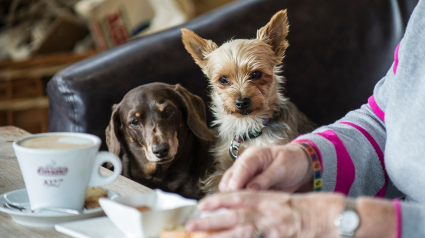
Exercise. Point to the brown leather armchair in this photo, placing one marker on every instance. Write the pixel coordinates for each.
(338, 50)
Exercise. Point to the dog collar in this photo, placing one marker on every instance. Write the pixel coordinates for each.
(252, 134)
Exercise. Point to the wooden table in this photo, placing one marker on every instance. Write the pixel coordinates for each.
(11, 179)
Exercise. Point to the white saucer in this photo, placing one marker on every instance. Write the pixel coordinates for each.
(44, 218)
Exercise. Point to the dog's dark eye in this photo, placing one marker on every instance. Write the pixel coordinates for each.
(256, 75)
(169, 111)
(135, 122)
(223, 81)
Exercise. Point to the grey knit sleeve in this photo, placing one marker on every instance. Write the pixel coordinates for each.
(405, 122)
(351, 153)
(392, 124)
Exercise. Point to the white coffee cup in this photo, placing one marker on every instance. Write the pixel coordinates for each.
(59, 177)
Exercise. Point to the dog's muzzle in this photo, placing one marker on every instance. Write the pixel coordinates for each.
(243, 103)
(245, 112)
(160, 150)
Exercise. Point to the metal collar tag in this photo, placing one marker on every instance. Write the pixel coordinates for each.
(252, 134)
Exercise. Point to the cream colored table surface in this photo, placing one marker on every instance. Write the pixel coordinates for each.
(11, 179)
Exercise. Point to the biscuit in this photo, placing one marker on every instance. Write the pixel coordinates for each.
(143, 208)
(183, 234)
(92, 197)
(180, 232)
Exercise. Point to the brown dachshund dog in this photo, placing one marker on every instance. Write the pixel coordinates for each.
(160, 133)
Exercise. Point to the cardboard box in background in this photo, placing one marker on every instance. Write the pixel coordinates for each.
(113, 22)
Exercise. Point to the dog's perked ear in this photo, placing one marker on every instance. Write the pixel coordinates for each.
(194, 108)
(113, 138)
(197, 46)
(275, 32)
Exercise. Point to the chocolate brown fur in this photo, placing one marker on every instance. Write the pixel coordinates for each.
(166, 114)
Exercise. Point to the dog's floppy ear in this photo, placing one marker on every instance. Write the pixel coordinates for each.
(197, 46)
(275, 32)
(195, 113)
(113, 138)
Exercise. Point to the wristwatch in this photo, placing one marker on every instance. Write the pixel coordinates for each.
(348, 221)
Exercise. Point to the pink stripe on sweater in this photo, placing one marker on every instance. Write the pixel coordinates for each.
(381, 192)
(376, 109)
(346, 172)
(315, 148)
(398, 224)
(396, 58)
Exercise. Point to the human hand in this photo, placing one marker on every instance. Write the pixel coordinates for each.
(285, 168)
(274, 214)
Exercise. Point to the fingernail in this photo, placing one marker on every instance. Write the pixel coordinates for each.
(254, 186)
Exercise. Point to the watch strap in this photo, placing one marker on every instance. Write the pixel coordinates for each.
(350, 205)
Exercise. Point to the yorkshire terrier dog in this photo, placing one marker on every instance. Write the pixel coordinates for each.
(247, 93)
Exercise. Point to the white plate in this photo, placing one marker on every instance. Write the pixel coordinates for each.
(44, 218)
(100, 227)
(166, 209)
(103, 227)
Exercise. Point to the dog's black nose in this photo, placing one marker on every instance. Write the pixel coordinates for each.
(242, 104)
(160, 150)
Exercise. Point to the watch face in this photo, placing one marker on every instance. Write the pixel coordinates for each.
(349, 221)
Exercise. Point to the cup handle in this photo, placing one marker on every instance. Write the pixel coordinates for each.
(96, 178)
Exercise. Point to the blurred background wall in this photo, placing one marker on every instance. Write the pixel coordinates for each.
(40, 37)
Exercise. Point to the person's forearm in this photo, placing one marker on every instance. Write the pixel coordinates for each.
(352, 144)
(377, 218)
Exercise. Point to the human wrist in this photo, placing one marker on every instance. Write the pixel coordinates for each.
(313, 177)
(334, 209)
(377, 218)
(307, 185)
(318, 212)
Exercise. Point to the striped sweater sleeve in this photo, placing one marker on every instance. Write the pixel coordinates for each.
(351, 150)
(346, 168)
(391, 123)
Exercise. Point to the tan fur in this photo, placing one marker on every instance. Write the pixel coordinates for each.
(158, 138)
(150, 168)
(237, 60)
(197, 46)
